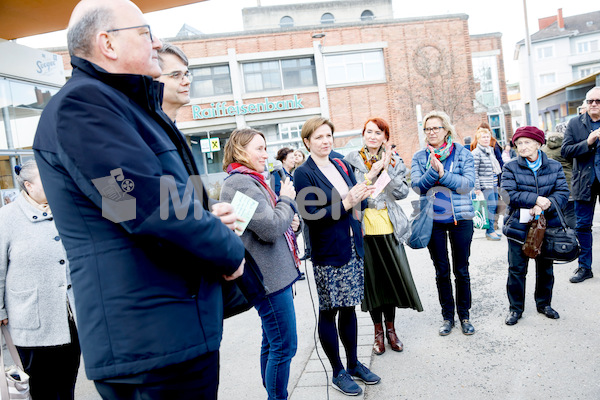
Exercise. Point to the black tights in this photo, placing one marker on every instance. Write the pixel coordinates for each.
(328, 334)
(388, 311)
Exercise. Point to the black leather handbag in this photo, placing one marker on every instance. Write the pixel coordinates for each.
(560, 243)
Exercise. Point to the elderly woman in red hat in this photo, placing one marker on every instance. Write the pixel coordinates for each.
(535, 184)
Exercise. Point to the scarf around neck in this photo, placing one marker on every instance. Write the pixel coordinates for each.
(442, 152)
(290, 237)
(369, 160)
(489, 151)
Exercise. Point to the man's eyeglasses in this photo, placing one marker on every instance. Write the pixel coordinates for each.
(178, 75)
(435, 129)
(590, 101)
(149, 33)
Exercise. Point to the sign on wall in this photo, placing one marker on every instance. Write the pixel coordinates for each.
(221, 109)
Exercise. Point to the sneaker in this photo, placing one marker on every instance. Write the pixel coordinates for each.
(344, 383)
(581, 274)
(364, 374)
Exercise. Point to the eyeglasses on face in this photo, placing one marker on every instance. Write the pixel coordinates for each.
(149, 33)
(435, 129)
(590, 101)
(178, 75)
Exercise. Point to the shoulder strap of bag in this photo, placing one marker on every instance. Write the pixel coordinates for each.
(338, 161)
(15, 356)
(561, 217)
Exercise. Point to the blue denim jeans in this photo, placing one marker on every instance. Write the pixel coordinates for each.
(584, 211)
(279, 342)
(461, 236)
(491, 198)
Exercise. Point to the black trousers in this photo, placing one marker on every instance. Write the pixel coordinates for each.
(460, 236)
(517, 271)
(52, 370)
(197, 379)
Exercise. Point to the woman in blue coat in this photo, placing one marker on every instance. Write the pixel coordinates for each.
(537, 184)
(328, 197)
(447, 167)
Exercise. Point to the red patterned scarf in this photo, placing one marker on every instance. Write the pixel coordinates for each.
(290, 237)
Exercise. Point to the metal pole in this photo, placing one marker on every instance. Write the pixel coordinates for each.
(533, 106)
(420, 127)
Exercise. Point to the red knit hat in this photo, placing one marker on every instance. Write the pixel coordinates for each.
(530, 132)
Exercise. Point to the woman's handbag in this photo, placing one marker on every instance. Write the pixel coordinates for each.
(421, 224)
(14, 384)
(560, 244)
(535, 237)
(480, 220)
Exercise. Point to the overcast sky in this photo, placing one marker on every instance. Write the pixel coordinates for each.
(485, 16)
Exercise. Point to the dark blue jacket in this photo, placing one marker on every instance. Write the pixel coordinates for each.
(329, 223)
(458, 177)
(575, 147)
(148, 289)
(523, 189)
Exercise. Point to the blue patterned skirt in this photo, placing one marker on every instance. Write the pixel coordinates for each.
(340, 286)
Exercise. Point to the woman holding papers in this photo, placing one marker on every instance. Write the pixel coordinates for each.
(329, 198)
(535, 184)
(388, 280)
(446, 168)
(270, 238)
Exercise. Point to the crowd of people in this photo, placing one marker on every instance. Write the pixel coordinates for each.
(87, 260)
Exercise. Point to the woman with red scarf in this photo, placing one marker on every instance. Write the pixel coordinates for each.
(448, 169)
(270, 238)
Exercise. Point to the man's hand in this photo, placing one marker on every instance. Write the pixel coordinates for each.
(225, 212)
(239, 272)
(593, 137)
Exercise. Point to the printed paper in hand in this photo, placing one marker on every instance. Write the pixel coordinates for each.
(244, 207)
(524, 216)
(381, 183)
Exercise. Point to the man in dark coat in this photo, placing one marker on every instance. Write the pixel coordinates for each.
(581, 145)
(147, 258)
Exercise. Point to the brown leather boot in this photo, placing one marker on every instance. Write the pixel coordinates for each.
(393, 340)
(378, 346)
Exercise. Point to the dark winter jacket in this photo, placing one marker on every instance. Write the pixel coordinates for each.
(148, 288)
(523, 189)
(575, 147)
(459, 177)
(329, 223)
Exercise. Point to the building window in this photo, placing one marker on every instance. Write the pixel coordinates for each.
(286, 22)
(547, 79)
(545, 52)
(290, 130)
(485, 71)
(355, 67)
(327, 18)
(210, 81)
(280, 74)
(587, 46)
(367, 15)
(587, 70)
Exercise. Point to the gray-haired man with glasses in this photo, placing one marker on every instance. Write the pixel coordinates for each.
(147, 284)
(581, 145)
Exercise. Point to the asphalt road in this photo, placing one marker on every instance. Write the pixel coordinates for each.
(538, 358)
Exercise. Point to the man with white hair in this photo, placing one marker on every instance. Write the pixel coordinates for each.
(581, 145)
(147, 259)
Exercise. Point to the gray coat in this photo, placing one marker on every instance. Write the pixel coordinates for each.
(397, 189)
(484, 171)
(33, 276)
(263, 236)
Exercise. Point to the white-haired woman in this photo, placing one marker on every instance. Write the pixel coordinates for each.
(448, 168)
(36, 302)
